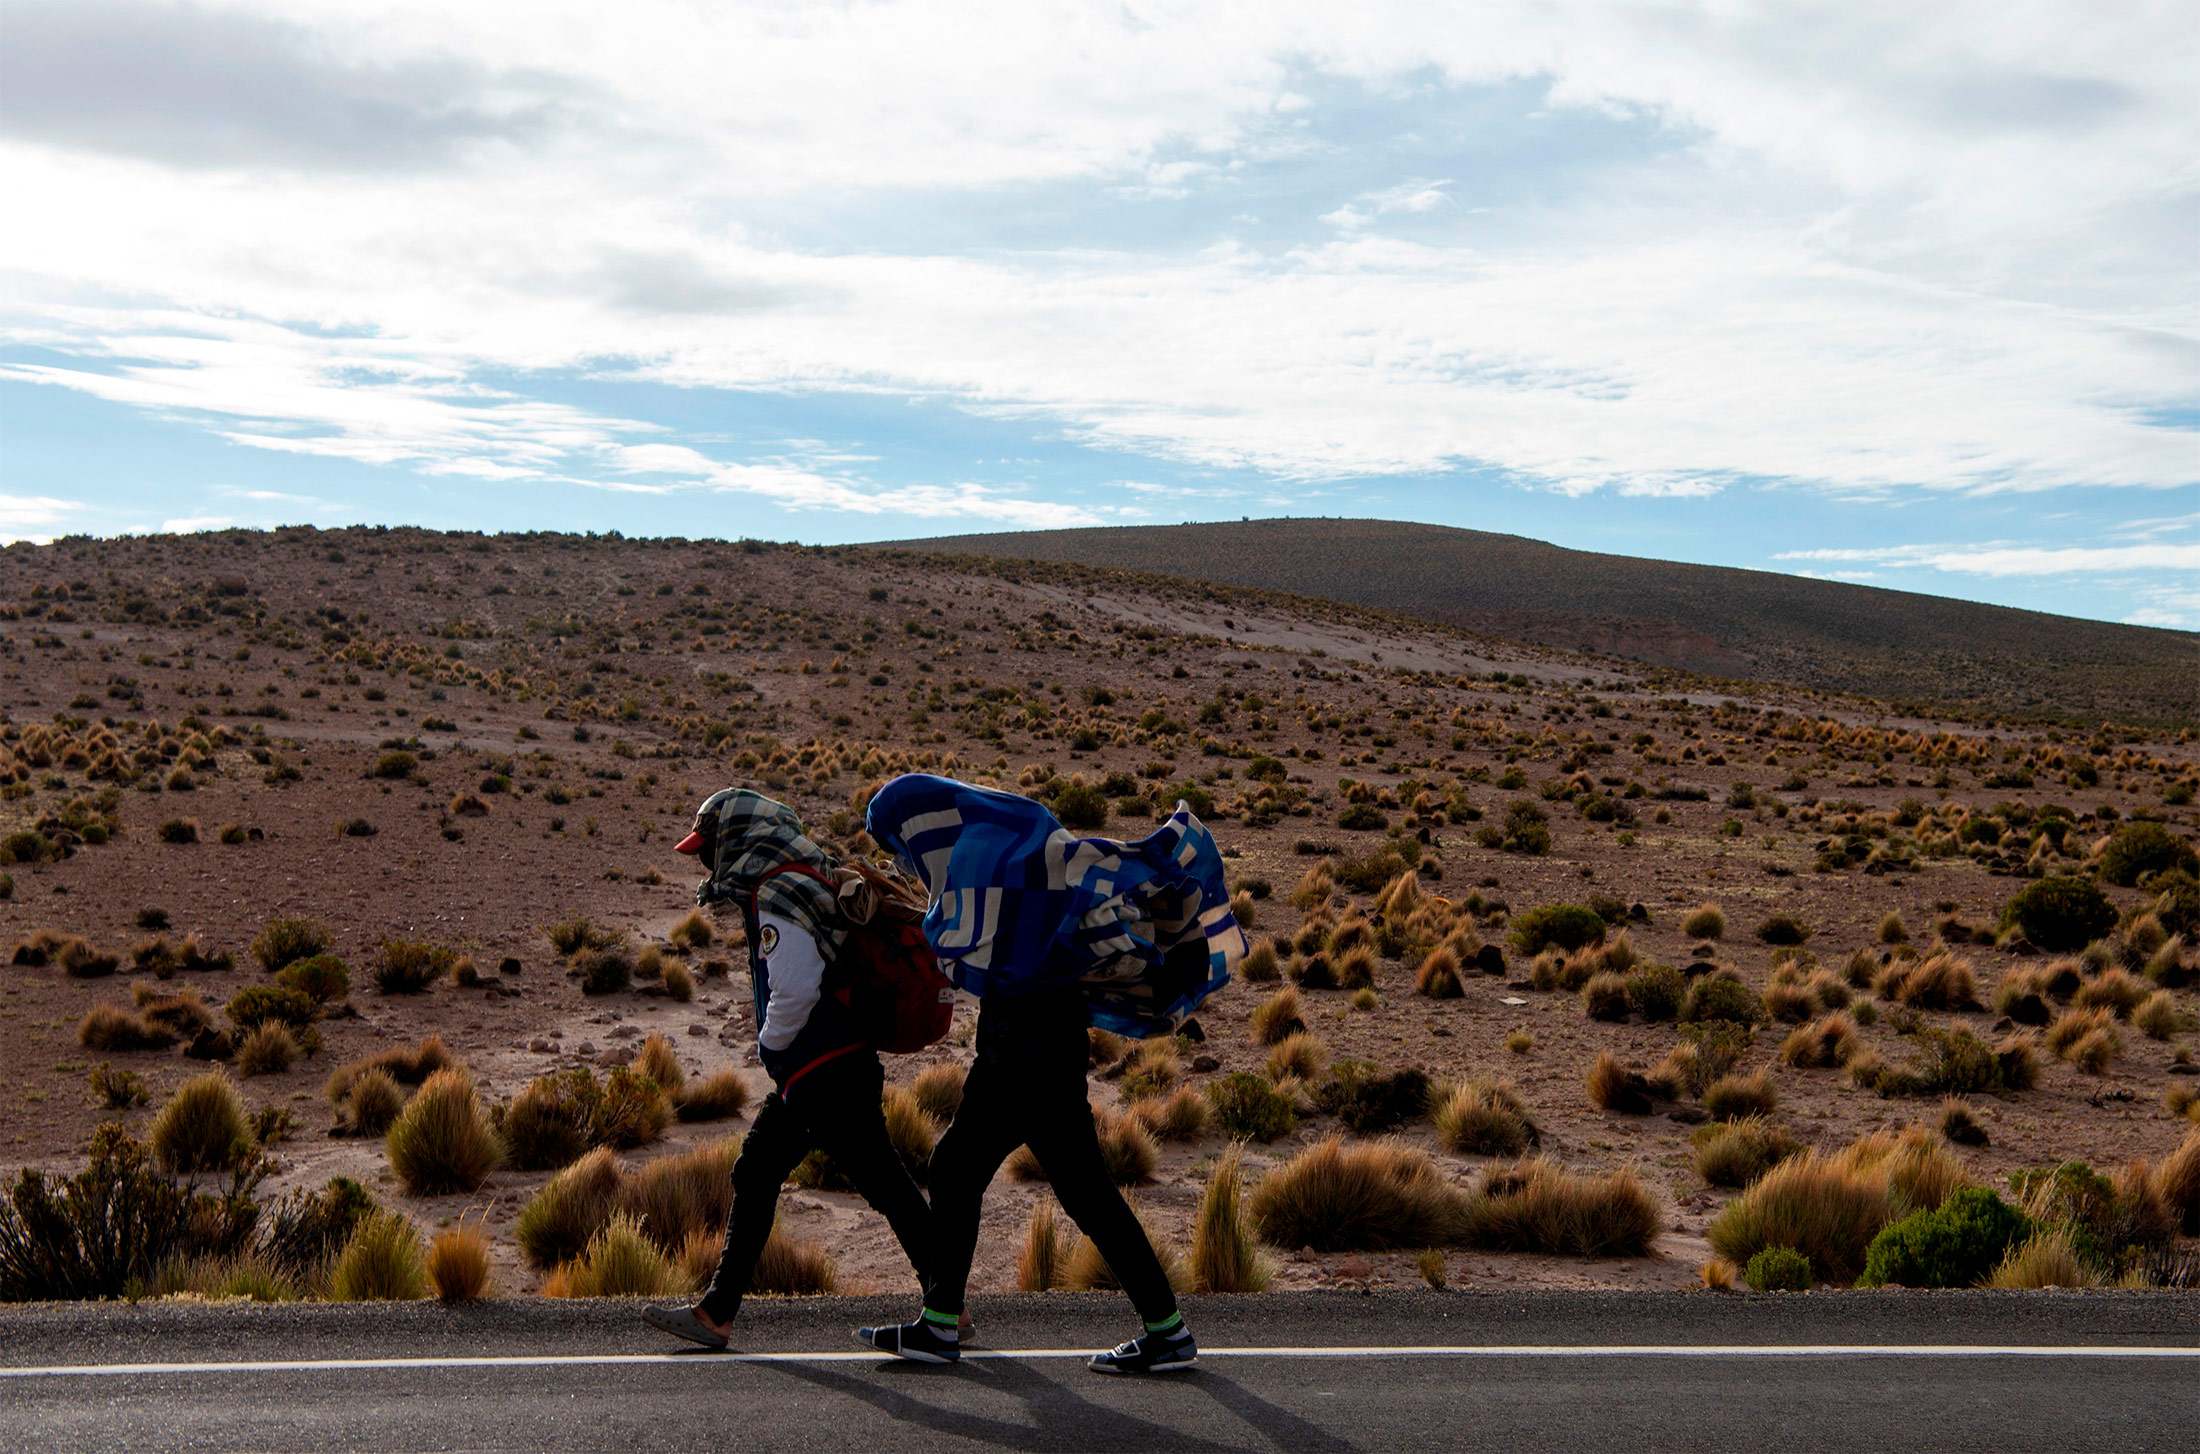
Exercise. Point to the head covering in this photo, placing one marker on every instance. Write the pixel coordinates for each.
(747, 835)
(1020, 906)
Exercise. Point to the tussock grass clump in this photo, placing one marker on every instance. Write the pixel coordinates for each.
(1892, 930)
(1182, 1115)
(112, 1030)
(204, 1127)
(1731, 1097)
(1302, 1055)
(1783, 931)
(458, 1265)
(717, 1097)
(550, 1123)
(2046, 1259)
(1260, 964)
(1615, 1088)
(1039, 1263)
(1538, 1206)
(1126, 1146)
(1736, 1153)
(2114, 990)
(790, 1267)
(1485, 1117)
(1822, 1044)
(1085, 1270)
(2176, 1180)
(1356, 968)
(1830, 1208)
(2158, 1017)
(1279, 1017)
(442, 1141)
(1248, 1108)
(1369, 1196)
(660, 1064)
(620, 1262)
(381, 1262)
(286, 941)
(1438, 976)
(1604, 997)
(679, 983)
(1959, 1123)
(2022, 995)
(269, 1050)
(1520, 1042)
(1938, 982)
(558, 1220)
(120, 1090)
(676, 1196)
(1152, 1067)
(79, 960)
(1226, 1256)
(939, 1090)
(914, 1132)
(1705, 921)
(373, 1102)
(409, 966)
(1314, 971)
(403, 1066)
(603, 971)
(693, 932)
(2087, 1039)
(1656, 991)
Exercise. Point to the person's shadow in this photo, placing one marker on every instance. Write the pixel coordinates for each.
(1060, 1417)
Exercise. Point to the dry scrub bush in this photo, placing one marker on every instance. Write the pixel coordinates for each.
(1438, 976)
(693, 932)
(717, 1097)
(1369, 1196)
(1485, 1117)
(1538, 1206)
(458, 1264)
(406, 1067)
(269, 1050)
(112, 1030)
(1731, 1097)
(1085, 1270)
(1046, 1247)
(442, 1141)
(1302, 1055)
(1959, 1123)
(1126, 1146)
(2114, 990)
(203, 1127)
(558, 1220)
(2047, 1259)
(1737, 1153)
(1260, 965)
(373, 1103)
(676, 1196)
(1822, 1044)
(1225, 1254)
(2087, 1039)
(1613, 1087)
(620, 1262)
(2158, 1017)
(1705, 921)
(1182, 1115)
(1939, 982)
(285, 941)
(2176, 1180)
(1278, 1017)
(381, 1262)
(1314, 972)
(658, 1062)
(788, 1267)
(939, 1090)
(1830, 1207)
(1604, 997)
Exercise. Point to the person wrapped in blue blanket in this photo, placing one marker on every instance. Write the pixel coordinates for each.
(1053, 933)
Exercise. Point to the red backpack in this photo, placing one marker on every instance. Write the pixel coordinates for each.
(886, 975)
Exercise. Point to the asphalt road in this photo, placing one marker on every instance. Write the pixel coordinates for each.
(1520, 1372)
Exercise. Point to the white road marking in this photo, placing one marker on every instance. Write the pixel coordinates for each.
(1492, 1350)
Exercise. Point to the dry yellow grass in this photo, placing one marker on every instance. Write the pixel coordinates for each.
(458, 1264)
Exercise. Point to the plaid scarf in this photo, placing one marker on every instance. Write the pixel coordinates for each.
(1019, 905)
(745, 836)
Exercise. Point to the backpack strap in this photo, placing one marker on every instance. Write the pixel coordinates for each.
(832, 885)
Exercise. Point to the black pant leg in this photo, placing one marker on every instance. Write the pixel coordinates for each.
(1062, 1137)
(775, 1145)
(988, 1126)
(846, 1120)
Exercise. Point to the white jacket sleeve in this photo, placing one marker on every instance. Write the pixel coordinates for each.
(794, 970)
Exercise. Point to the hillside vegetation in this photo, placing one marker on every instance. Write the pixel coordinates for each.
(1829, 635)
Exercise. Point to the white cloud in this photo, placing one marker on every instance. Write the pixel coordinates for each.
(2011, 560)
(1896, 249)
(36, 518)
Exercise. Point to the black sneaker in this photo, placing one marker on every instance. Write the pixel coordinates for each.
(1153, 1353)
(917, 1341)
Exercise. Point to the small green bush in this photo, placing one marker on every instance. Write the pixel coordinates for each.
(1362, 818)
(2060, 914)
(395, 765)
(1716, 997)
(255, 1005)
(286, 941)
(1782, 930)
(1567, 926)
(2138, 849)
(1081, 806)
(1957, 1245)
(409, 966)
(322, 976)
(1249, 1108)
(1656, 991)
(1367, 1100)
(1778, 1269)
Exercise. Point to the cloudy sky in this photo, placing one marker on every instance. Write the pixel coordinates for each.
(1895, 293)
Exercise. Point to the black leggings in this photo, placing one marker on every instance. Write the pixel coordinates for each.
(1009, 1104)
(834, 1109)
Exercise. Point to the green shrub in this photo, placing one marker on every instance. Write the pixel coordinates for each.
(1656, 991)
(256, 1005)
(2138, 849)
(1778, 1269)
(286, 941)
(1716, 997)
(1362, 818)
(322, 976)
(1081, 806)
(2060, 914)
(395, 765)
(1367, 1100)
(409, 966)
(94, 1234)
(1783, 930)
(202, 1128)
(1249, 1108)
(1567, 926)
(1956, 1245)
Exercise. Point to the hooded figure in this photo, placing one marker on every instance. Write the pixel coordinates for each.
(827, 1081)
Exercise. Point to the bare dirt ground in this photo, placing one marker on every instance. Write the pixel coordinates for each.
(568, 701)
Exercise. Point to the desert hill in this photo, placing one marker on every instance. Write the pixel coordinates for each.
(1829, 635)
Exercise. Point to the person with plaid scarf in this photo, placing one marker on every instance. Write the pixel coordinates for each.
(827, 1080)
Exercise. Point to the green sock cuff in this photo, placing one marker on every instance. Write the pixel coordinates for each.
(1168, 1324)
(942, 1320)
